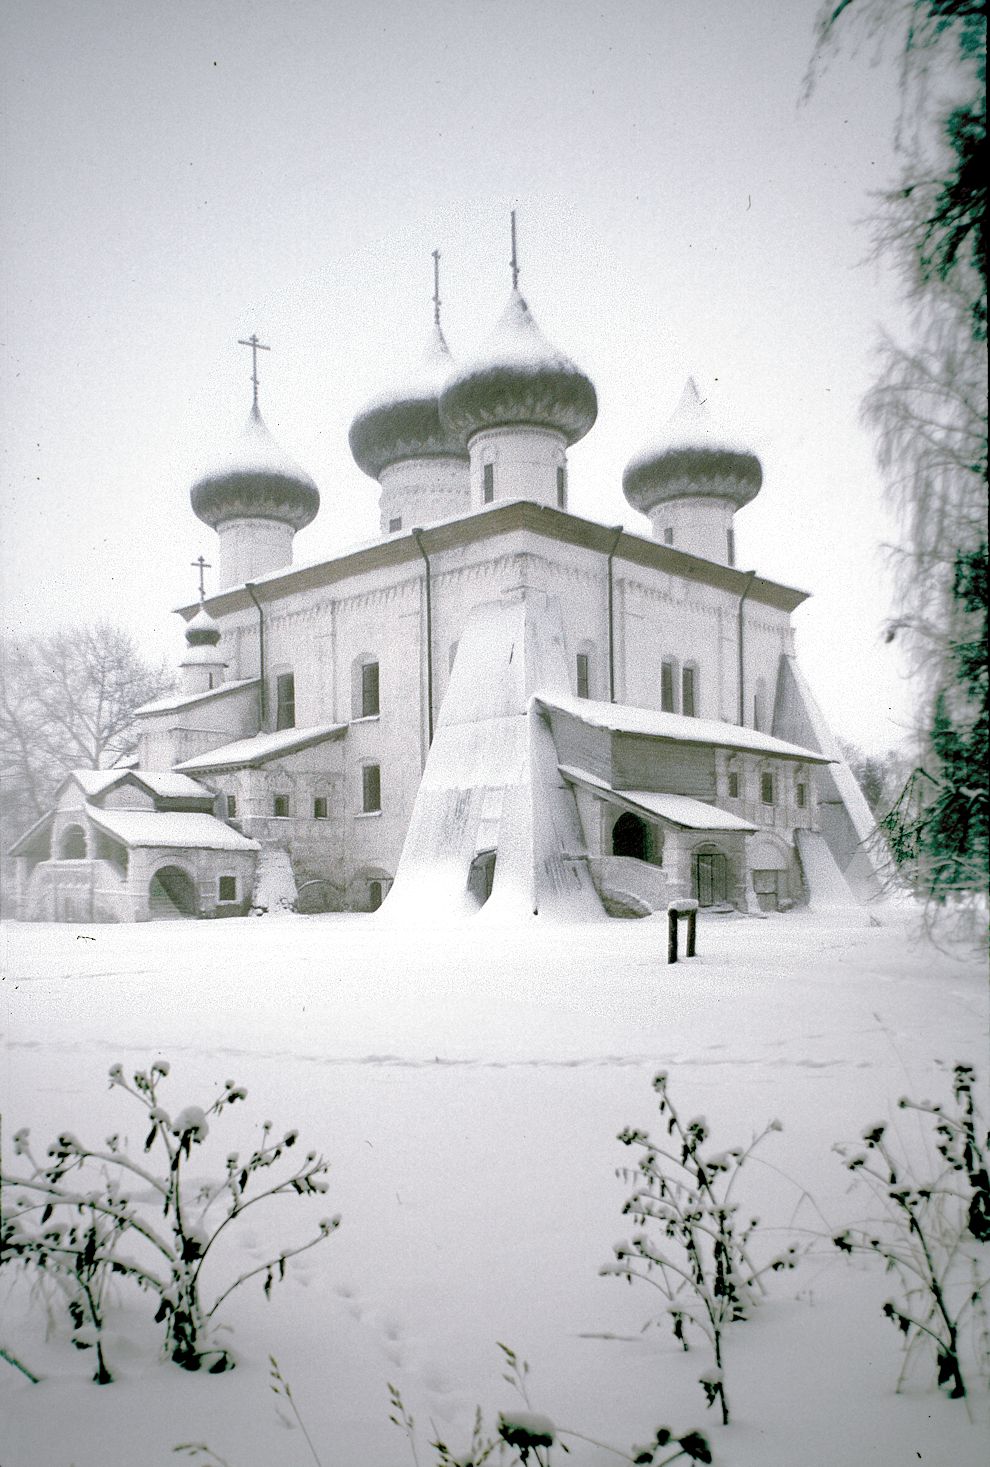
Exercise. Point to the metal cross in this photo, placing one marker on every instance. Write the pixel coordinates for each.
(436, 286)
(514, 261)
(255, 346)
(203, 565)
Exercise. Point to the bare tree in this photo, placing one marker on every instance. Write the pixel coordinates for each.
(67, 701)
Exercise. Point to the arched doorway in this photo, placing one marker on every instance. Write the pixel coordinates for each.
(72, 846)
(172, 893)
(710, 878)
(631, 837)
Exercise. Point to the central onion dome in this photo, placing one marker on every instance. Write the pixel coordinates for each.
(519, 380)
(403, 422)
(255, 479)
(693, 458)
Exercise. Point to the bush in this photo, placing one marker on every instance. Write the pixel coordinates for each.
(70, 1216)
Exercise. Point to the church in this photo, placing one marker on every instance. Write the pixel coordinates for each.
(497, 707)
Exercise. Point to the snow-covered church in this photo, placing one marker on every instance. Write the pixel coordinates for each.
(497, 706)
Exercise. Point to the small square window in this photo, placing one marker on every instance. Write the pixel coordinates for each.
(280, 806)
(582, 675)
(227, 889)
(320, 807)
(369, 690)
(766, 788)
(395, 524)
(667, 687)
(802, 795)
(668, 535)
(231, 807)
(733, 785)
(371, 788)
(489, 483)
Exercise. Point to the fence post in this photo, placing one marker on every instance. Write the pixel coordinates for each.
(692, 922)
(671, 934)
(689, 911)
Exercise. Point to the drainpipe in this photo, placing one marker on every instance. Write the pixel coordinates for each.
(263, 701)
(417, 536)
(617, 533)
(751, 576)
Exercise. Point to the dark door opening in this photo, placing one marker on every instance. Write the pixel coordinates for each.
(631, 837)
(172, 894)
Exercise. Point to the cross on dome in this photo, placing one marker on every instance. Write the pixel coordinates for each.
(201, 565)
(514, 262)
(255, 346)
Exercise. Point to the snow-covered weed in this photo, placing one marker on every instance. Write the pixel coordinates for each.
(695, 1252)
(71, 1217)
(932, 1232)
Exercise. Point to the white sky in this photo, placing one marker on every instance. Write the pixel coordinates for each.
(178, 176)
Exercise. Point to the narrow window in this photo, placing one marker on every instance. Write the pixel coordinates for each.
(285, 700)
(489, 483)
(802, 795)
(730, 545)
(280, 806)
(733, 785)
(320, 807)
(766, 788)
(668, 535)
(395, 524)
(369, 690)
(374, 895)
(582, 675)
(687, 692)
(371, 788)
(561, 487)
(227, 889)
(231, 807)
(450, 656)
(667, 687)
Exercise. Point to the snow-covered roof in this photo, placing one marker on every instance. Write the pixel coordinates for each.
(22, 844)
(675, 727)
(169, 828)
(95, 781)
(187, 700)
(681, 810)
(169, 785)
(256, 750)
(518, 377)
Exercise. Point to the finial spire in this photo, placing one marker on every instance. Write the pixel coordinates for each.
(201, 565)
(255, 346)
(436, 286)
(514, 261)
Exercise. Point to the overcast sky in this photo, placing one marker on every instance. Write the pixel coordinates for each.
(178, 176)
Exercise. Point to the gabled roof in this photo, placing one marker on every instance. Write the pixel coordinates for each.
(682, 810)
(188, 700)
(676, 728)
(246, 753)
(169, 829)
(161, 783)
(22, 844)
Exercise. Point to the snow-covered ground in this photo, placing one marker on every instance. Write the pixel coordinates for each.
(467, 1084)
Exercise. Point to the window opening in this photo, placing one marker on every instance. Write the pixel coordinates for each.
(687, 692)
(766, 788)
(395, 524)
(280, 806)
(668, 535)
(320, 807)
(733, 785)
(375, 895)
(371, 788)
(561, 487)
(227, 889)
(285, 700)
(489, 477)
(369, 690)
(231, 807)
(730, 545)
(667, 687)
(802, 795)
(582, 675)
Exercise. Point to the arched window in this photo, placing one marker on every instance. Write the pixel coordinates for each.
(632, 837)
(72, 846)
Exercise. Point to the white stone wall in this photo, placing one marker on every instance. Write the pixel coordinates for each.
(698, 525)
(249, 548)
(524, 462)
(419, 491)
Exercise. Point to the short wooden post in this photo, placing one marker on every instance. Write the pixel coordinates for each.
(692, 923)
(672, 935)
(689, 911)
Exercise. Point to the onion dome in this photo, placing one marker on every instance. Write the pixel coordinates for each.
(694, 457)
(519, 380)
(203, 630)
(404, 421)
(255, 479)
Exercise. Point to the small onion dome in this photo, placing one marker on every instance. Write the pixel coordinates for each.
(694, 457)
(519, 379)
(256, 479)
(202, 630)
(404, 421)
